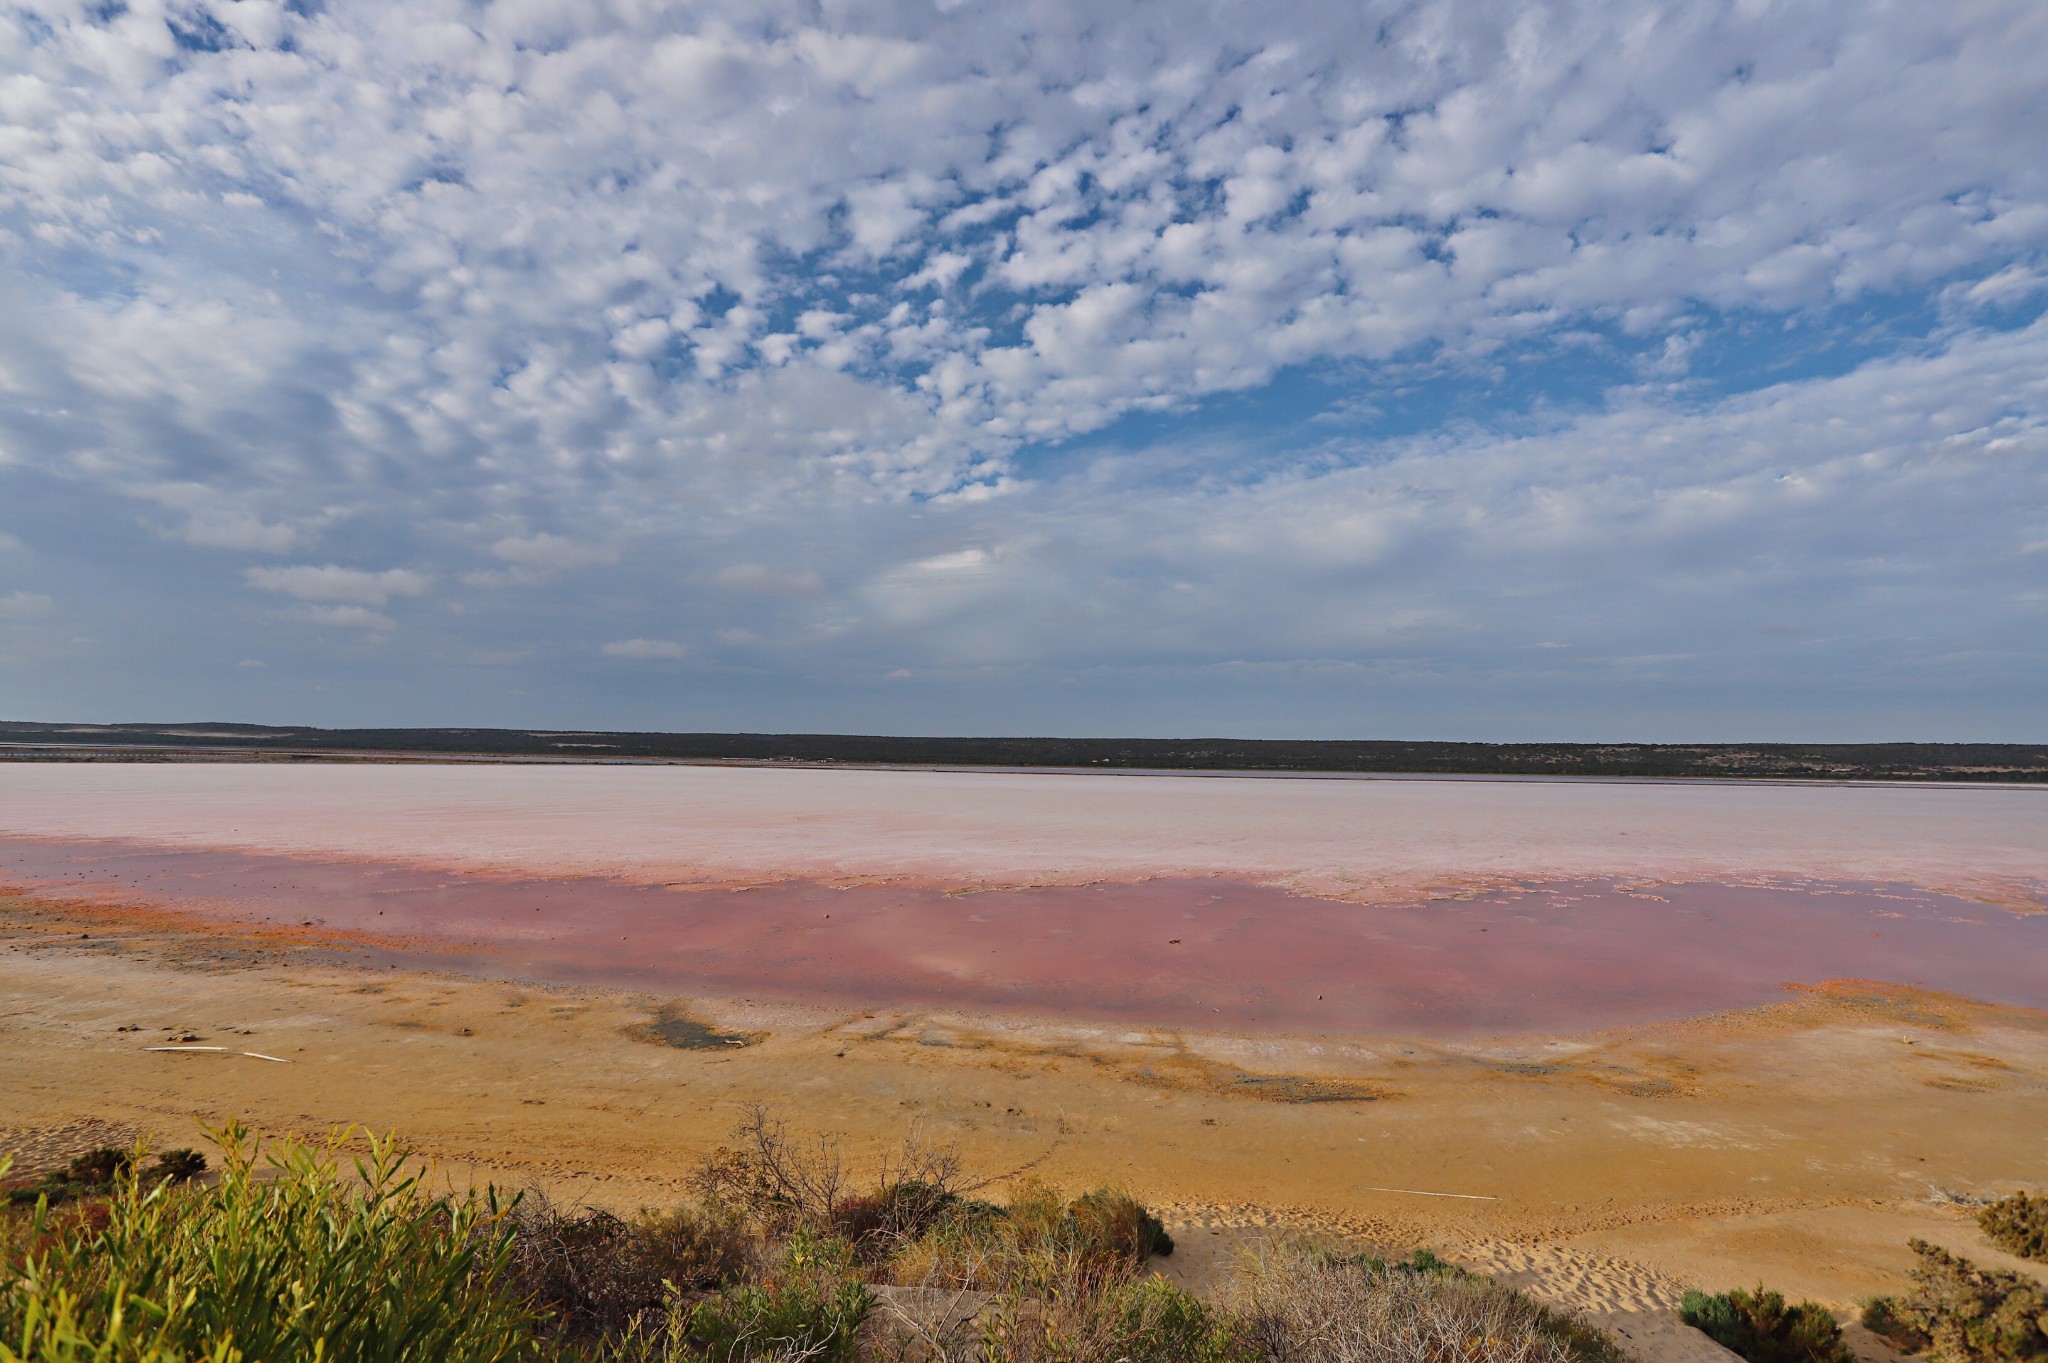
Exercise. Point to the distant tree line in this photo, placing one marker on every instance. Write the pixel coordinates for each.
(1769, 761)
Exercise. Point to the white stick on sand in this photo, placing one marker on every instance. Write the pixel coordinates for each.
(276, 1058)
(1417, 1192)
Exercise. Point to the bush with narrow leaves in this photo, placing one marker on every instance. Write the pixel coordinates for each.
(305, 1263)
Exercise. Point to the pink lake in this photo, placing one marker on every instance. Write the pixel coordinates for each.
(1210, 952)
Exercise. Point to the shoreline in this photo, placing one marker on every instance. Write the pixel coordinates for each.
(1713, 1151)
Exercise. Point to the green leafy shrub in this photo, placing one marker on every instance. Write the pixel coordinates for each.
(1763, 1328)
(1422, 1261)
(811, 1306)
(98, 1168)
(1168, 1324)
(304, 1264)
(1131, 1321)
(2018, 1225)
(1119, 1224)
(1975, 1315)
(1039, 1244)
(178, 1166)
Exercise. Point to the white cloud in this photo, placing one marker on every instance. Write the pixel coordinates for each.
(788, 304)
(752, 577)
(535, 559)
(25, 605)
(344, 617)
(643, 649)
(356, 586)
(9, 544)
(550, 552)
(525, 296)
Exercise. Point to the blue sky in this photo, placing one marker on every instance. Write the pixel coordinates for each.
(1462, 370)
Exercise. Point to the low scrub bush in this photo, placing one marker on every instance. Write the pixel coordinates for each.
(1969, 1314)
(592, 1274)
(1422, 1261)
(305, 1263)
(808, 1305)
(1885, 1317)
(1301, 1306)
(93, 1173)
(1763, 1328)
(1149, 1321)
(2018, 1225)
(882, 1222)
(1117, 1223)
(1038, 1244)
(784, 1183)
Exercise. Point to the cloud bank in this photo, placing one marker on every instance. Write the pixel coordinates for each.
(1451, 368)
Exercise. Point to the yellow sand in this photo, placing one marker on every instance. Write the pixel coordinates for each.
(1800, 1145)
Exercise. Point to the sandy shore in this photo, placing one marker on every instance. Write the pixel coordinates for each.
(1799, 1144)
(1797, 1136)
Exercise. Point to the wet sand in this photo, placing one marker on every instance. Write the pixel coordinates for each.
(1212, 953)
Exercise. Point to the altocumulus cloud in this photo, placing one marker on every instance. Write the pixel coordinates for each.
(1465, 368)
(643, 649)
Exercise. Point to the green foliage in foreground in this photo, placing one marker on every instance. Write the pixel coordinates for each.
(1763, 1328)
(2018, 1225)
(315, 1258)
(811, 1307)
(305, 1263)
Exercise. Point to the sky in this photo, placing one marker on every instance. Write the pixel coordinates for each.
(1464, 369)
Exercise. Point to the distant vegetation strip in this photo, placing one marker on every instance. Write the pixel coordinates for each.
(1760, 761)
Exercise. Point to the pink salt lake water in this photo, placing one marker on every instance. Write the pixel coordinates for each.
(1196, 901)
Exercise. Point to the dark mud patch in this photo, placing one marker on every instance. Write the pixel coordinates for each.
(1294, 1088)
(673, 1027)
(1188, 1072)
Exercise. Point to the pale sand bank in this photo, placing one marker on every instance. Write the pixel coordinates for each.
(1363, 840)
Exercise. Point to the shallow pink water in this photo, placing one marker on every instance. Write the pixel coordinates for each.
(1366, 840)
(1205, 952)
